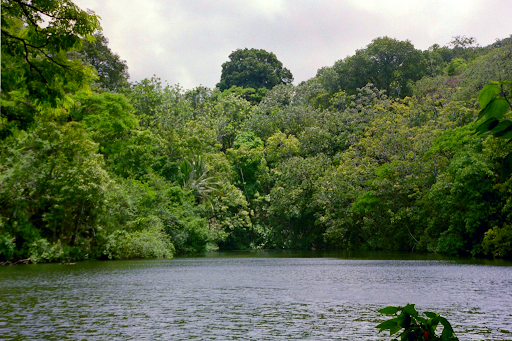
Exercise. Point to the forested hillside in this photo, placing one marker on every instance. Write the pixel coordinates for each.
(377, 152)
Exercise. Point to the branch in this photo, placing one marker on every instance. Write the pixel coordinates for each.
(24, 41)
(21, 3)
(39, 48)
(32, 66)
(29, 18)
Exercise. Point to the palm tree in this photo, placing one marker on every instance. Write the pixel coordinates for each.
(195, 177)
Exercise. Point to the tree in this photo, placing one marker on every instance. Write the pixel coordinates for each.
(293, 207)
(52, 188)
(388, 63)
(112, 70)
(253, 68)
(36, 70)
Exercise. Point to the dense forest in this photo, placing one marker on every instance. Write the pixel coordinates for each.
(383, 150)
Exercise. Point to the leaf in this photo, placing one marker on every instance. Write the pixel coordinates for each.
(409, 309)
(430, 314)
(507, 135)
(421, 319)
(487, 94)
(487, 126)
(394, 329)
(497, 108)
(506, 167)
(447, 330)
(389, 310)
(387, 325)
(502, 128)
(435, 321)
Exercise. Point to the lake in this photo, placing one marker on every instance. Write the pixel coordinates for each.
(251, 296)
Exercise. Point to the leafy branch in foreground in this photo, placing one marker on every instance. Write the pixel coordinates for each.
(495, 111)
(416, 328)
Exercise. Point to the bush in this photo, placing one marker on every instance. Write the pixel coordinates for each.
(498, 241)
(151, 242)
(7, 247)
(42, 251)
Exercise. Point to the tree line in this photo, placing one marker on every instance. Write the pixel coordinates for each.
(377, 152)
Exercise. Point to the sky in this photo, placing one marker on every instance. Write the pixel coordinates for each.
(186, 42)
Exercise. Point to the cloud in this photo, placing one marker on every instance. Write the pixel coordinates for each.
(186, 41)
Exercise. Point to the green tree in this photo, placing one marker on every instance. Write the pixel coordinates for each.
(248, 159)
(195, 177)
(292, 203)
(53, 187)
(253, 68)
(112, 71)
(36, 70)
(387, 63)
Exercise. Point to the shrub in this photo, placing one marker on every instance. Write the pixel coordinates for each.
(151, 242)
(7, 247)
(415, 327)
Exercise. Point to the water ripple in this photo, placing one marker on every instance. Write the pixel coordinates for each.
(247, 299)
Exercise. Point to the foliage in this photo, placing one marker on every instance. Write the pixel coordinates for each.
(42, 250)
(416, 327)
(7, 247)
(195, 177)
(150, 242)
(279, 146)
(247, 157)
(36, 70)
(388, 63)
(377, 152)
(253, 68)
(495, 108)
(498, 241)
(293, 206)
(51, 180)
(111, 70)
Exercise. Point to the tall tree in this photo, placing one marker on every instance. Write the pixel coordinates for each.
(112, 70)
(253, 68)
(387, 63)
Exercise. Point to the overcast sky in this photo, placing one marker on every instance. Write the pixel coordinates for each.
(186, 41)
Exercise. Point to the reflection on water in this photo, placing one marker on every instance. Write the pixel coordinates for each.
(249, 296)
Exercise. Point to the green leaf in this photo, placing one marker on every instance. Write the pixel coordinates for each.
(387, 325)
(409, 309)
(497, 108)
(447, 330)
(394, 329)
(421, 319)
(506, 167)
(435, 321)
(389, 310)
(507, 135)
(502, 128)
(487, 126)
(487, 94)
(405, 335)
(430, 314)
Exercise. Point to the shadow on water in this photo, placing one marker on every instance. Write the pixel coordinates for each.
(354, 254)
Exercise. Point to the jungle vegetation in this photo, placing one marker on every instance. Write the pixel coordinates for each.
(379, 151)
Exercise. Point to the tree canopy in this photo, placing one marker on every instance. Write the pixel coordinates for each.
(389, 149)
(387, 63)
(253, 68)
(111, 69)
(36, 69)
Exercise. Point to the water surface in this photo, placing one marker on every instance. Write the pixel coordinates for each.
(249, 296)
